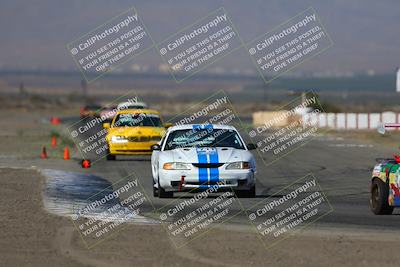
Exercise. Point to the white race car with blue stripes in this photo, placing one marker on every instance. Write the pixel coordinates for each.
(200, 156)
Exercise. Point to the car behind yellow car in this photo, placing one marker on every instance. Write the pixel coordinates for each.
(133, 132)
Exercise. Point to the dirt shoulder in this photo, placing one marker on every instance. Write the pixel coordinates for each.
(32, 237)
(27, 231)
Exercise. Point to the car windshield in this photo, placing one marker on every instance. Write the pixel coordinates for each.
(203, 138)
(131, 106)
(132, 120)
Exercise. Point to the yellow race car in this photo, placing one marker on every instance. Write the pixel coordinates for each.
(133, 132)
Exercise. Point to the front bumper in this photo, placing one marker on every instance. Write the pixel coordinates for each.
(170, 180)
(131, 148)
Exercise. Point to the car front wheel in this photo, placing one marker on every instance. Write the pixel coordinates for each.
(155, 190)
(110, 157)
(251, 193)
(164, 194)
(379, 198)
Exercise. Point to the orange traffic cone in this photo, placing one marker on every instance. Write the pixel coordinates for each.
(66, 153)
(85, 163)
(53, 141)
(55, 120)
(44, 153)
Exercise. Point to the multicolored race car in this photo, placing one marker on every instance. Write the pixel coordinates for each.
(385, 183)
(385, 194)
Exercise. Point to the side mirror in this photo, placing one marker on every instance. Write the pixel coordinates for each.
(106, 125)
(167, 125)
(251, 146)
(155, 147)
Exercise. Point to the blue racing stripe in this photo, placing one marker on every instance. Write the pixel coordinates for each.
(214, 172)
(203, 172)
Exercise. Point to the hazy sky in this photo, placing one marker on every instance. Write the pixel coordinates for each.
(366, 33)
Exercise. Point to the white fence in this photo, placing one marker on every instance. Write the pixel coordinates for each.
(350, 120)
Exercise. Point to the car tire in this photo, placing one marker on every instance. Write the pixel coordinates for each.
(155, 190)
(251, 193)
(238, 193)
(110, 156)
(164, 194)
(379, 198)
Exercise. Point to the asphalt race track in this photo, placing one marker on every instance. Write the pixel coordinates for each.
(342, 168)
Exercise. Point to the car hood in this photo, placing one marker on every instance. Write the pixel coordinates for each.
(206, 155)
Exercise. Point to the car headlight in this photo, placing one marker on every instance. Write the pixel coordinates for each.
(118, 139)
(239, 165)
(176, 166)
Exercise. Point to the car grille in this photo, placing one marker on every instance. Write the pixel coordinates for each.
(136, 150)
(142, 138)
(206, 183)
(207, 165)
(225, 182)
(155, 138)
(138, 138)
